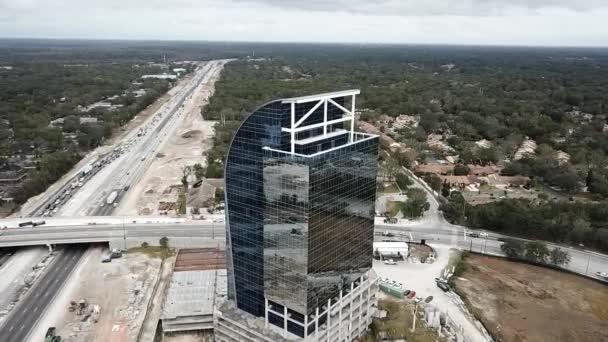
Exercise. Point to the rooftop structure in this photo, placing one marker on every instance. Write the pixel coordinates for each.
(300, 193)
(527, 148)
(198, 280)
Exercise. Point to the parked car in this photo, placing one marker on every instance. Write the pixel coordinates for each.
(443, 286)
(411, 295)
(106, 258)
(388, 234)
(391, 220)
(390, 262)
(603, 275)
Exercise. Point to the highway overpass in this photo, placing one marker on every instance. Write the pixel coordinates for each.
(88, 233)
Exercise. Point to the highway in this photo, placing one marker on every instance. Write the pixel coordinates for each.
(132, 156)
(104, 233)
(19, 323)
(583, 262)
(85, 193)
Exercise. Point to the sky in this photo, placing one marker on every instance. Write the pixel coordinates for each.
(471, 22)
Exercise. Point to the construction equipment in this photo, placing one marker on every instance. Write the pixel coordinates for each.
(50, 335)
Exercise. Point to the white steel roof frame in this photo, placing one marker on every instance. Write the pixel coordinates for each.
(321, 99)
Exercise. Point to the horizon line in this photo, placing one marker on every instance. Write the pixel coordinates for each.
(310, 42)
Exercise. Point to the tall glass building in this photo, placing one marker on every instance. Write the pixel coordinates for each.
(300, 194)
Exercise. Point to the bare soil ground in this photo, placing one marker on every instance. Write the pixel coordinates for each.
(185, 147)
(521, 302)
(121, 289)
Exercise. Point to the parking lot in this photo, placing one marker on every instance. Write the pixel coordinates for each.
(420, 278)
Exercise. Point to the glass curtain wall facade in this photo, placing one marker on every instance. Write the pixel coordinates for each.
(299, 225)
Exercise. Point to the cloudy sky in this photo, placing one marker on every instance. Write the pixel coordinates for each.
(500, 22)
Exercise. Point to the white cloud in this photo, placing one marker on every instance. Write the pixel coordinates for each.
(515, 22)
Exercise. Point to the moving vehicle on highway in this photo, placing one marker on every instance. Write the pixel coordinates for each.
(391, 220)
(111, 198)
(390, 262)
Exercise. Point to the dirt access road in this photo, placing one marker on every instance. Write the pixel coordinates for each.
(521, 302)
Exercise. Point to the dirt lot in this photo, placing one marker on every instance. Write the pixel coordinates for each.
(520, 302)
(184, 147)
(120, 289)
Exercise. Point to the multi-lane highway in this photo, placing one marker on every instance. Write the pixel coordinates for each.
(108, 232)
(18, 324)
(137, 150)
(86, 193)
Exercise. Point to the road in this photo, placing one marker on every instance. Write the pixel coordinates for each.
(105, 233)
(19, 323)
(435, 229)
(132, 156)
(117, 170)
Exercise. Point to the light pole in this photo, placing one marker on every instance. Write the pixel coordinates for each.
(124, 232)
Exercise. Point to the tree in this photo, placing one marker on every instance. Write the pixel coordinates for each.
(390, 168)
(536, 251)
(416, 203)
(199, 171)
(433, 181)
(461, 170)
(559, 257)
(513, 248)
(164, 242)
(186, 172)
(71, 123)
(403, 181)
(445, 190)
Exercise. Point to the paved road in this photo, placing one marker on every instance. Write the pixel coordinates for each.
(104, 233)
(24, 317)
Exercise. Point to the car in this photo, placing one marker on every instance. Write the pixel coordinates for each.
(411, 295)
(388, 234)
(473, 235)
(218, 220)
(106, 258)
(390, 262)
(443, 286)
(483, 234)
(602, 275)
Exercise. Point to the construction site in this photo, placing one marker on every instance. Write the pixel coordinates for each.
(521, 302)
(159, 190)
(103, 301)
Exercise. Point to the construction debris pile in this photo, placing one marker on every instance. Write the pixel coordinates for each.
(86, 314)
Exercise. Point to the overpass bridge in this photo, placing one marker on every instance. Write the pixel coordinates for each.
(107, 231)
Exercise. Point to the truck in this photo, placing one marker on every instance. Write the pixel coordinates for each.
(116, 253)
(112, 197)
(50, 335)
(86, 170)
